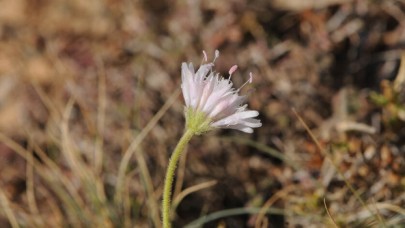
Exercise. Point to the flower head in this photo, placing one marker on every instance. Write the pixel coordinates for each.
(211, 102)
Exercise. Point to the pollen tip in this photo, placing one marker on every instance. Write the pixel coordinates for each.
(250, 77)
(233, 69)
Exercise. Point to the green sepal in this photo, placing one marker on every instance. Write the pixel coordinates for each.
(197, 121)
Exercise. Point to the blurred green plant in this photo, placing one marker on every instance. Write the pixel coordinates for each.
(391, 98)
(393, 109)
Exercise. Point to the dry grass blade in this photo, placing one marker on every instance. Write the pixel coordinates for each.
(126, 203)
(148, 186)
(5, 204)
(141, 161)
(32, 203)
(94, 188)
(330, 216)
(297, 5)
(260, 222)
(391, 207)
(56, 218)
(135, 143)
(49, 104)
(75, 206)
(73, 157)
(58, 172)
(378, 212)
(327, 156)
(102, 105)
(70, 153)
(56, 113)
(92, 183)
(189, 190)
(395, 221)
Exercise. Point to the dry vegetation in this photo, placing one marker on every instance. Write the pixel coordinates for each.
(84, 84)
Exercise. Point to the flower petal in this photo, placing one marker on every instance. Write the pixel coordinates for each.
(235, 118)
(209, 94)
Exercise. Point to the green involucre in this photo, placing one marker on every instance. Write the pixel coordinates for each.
(197, 121)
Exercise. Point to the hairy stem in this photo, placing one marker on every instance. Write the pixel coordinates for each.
(167, 191)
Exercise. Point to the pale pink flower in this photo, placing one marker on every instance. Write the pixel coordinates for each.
(209, 94)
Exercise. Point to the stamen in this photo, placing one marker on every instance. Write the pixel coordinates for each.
(232, 70)
(248, 81)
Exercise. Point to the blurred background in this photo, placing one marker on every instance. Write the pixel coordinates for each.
(83, 83)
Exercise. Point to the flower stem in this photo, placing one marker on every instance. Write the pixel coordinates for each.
(167, 191)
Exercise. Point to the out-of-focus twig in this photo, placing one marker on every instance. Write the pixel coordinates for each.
(400, 79)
